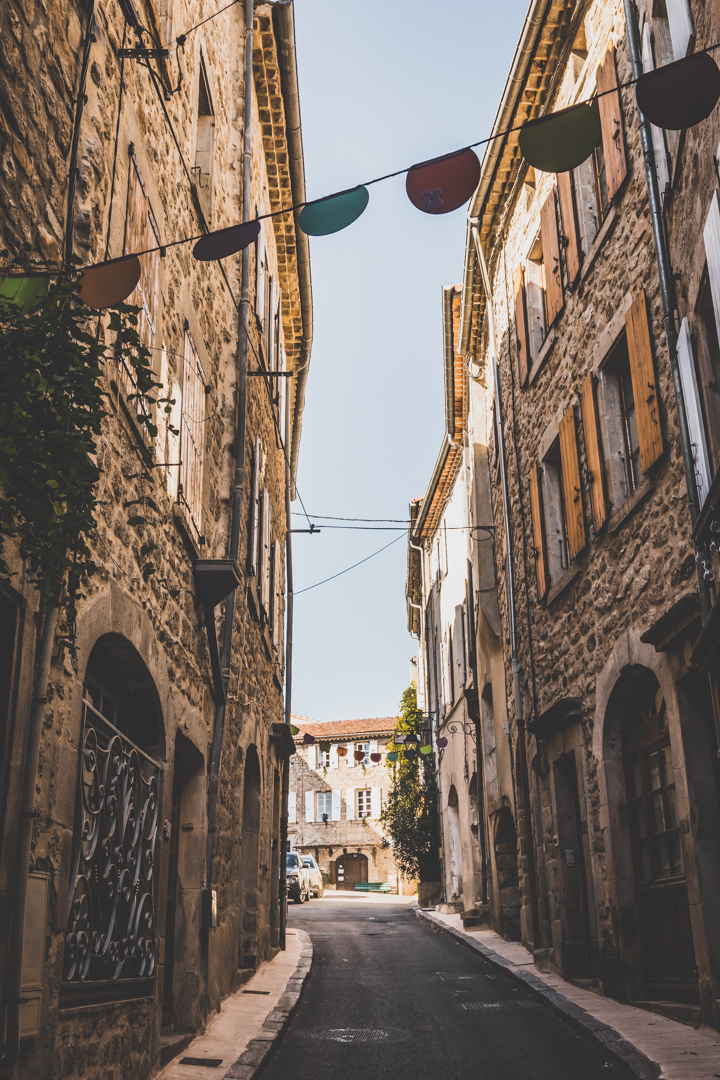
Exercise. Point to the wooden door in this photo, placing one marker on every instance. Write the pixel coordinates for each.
(350, 869)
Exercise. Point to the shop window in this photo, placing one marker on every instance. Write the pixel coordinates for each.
(192, 434)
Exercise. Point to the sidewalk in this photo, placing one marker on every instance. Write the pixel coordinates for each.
(650, 1046)
(238, 1039)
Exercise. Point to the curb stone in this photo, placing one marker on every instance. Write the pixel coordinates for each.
(259, 1049)
(611, 1042)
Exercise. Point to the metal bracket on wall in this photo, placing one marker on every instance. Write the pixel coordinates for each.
(215, 579)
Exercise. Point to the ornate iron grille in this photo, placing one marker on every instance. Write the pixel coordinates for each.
(111, 921)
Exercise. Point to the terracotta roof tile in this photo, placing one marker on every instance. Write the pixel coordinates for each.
(334, 729)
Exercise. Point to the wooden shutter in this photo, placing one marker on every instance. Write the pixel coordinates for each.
(658, 135)
(571, 484)
(311, 756)
(335, 802)
(375, 802)
(711, 237)
(647, 411)
(538, 532)
(570, 232)
(350, 804)
(680, 26)
(460, 645)
(521, 328)
(551, 259)
(334, 759)
(292, 807)
(141, 233)
(593, 452)
(253, 540)
(693, 411)
(612, 125)
(309, 805)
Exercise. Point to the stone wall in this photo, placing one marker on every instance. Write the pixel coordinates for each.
(41, 49)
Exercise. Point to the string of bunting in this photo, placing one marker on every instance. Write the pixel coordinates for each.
(409, 753)
(674, 97)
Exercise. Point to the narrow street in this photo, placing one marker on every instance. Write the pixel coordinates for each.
(387, 996)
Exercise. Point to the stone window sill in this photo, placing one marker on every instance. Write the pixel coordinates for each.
(547, 348)
(561, 584)
(623, 512)
(605, 229)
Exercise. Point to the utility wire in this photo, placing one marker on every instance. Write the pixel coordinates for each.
(349, 568)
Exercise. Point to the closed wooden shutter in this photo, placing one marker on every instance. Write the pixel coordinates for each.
(647, 409)
(570, 232)
(334, 760)
(551, 259)
(336, 802)
(658, 135)
(253, 540)
(311, 757)
(375, 802)
(460, 645)
(593, 452)
(521, 328)
(538, 533)
(309, 805)
(693, 411)
(574, 518)
(612, 124)
(292, 807)
(350, 760)
(350, 804)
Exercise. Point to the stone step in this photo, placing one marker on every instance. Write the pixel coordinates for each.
(473, 921)
(174, 1044)
(673, 1010)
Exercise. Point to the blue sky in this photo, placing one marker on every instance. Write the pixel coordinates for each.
(382, 85)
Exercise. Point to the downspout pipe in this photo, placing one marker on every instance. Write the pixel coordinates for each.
(239, 484)
(510, 576)
(22, 853)
(288, 676)
(667, 293)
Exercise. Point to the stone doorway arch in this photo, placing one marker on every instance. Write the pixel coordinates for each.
(349, 869)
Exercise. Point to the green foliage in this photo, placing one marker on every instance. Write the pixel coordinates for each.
(410, 818)
(51, 414)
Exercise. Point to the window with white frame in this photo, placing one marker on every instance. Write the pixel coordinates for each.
(363, 799)
(192, 433)
(324, 805)
(324, 759)
(365, 747)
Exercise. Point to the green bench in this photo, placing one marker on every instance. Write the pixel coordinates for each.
(373, 886)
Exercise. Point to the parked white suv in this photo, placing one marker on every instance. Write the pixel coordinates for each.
(315, 880)
(298, 878)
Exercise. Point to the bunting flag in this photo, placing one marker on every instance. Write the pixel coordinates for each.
(562, 140)
(334, 213)
(294, 730)
(359, 755)
(442, 743)
(443, 184)
(376, 757)
(393, 756)
(24, 291)
(109, 283)
(324, 746)
(342, 751)
(425, 749)
(681, 94)
(308, 739)
(225, 242)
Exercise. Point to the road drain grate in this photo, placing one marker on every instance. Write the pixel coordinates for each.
(474, 1006)
(351, 1035)
(209, 1063)
(256, 991)
(465, 978)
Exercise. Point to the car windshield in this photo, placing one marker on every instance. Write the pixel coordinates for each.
(309, 862)
(292, 862)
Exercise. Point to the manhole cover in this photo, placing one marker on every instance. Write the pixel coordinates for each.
(351, 1035)
(209, 1063)
(475, 1006)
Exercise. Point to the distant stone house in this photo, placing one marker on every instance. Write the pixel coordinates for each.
(335, 801)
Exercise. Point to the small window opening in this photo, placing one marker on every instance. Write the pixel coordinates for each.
(553, 507)
(205, 145)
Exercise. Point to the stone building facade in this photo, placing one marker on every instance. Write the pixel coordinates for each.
(124, 956)
(336, 800)
(612, 731)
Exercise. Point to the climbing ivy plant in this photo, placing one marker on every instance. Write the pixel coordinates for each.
(52, 407)
(410, 819)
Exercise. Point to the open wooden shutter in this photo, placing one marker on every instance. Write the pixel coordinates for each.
(711, 237)
(521, 327)
(538, 533)
(680, 26)
(570, 232)
(460, 646)
(254, 538)
(693, 410)
(612, 123)
(574, 518)
(551, 259)
(596, 473)
(643, 381)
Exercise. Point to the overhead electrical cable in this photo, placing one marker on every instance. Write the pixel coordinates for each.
(349, 568)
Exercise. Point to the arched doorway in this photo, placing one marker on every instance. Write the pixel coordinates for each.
(250, 852)
(506, 865)
(349, 869)
(666, 943)
(112, 893)
(455, 868)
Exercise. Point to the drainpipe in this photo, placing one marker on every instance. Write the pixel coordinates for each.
(667, 293)
(515, 663)
(22, 854)
(288, 678)
(236, 517)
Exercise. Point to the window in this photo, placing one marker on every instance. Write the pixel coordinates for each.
(365, 748)
(141, 233)
(658, 135)
(558, 520)
(204, 146)
(630, 452)
(535, 299)
(324, 805)
(693, 410)
(260, 275)
(323, 759)
(363, 797)
(192, 434)
(265, 554)
(276, 594)
(556, 537)
(254, 529)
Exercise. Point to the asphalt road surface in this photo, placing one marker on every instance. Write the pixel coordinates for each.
(388, 996)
